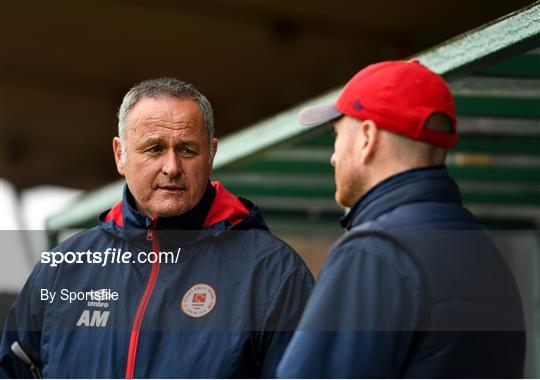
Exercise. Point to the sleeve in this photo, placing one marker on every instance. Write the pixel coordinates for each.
(283, 317)
(23, 323)
(360, 319)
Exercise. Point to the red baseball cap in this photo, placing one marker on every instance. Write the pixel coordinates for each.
(399, 96)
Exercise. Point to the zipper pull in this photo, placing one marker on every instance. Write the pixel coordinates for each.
(150, 233)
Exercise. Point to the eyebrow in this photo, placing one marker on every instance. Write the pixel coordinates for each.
(159, 141)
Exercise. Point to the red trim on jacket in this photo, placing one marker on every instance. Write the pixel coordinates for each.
(143, 303)
(115, 214)
(225, 206)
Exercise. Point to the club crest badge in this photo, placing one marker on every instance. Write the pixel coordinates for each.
(199, 300)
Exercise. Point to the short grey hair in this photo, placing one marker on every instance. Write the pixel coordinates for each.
(155, 88)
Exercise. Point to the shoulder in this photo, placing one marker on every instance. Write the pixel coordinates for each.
(82, 240)
(377, 254)
(374, 244)
(265, 258)
(259, 244)
(428, 215)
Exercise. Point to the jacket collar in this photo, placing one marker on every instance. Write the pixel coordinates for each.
(191, 220)
(218, 211)
(429, 184)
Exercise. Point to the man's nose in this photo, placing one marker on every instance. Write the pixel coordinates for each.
(172, 165)
(333, 159)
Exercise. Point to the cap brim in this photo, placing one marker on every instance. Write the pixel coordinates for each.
(317, 115)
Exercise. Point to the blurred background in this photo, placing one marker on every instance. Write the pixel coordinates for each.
(65, 66)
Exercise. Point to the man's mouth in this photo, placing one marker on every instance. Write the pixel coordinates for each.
(171, 188)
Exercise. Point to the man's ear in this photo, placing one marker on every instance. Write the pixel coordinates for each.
(368, 137)
(118, 155)
(213, 150)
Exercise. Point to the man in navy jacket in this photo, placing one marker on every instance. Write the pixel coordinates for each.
(415, 288)
(224, 303)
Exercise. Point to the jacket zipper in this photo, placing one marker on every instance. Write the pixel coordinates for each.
(135, 329)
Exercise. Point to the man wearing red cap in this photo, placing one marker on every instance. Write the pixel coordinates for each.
(414, 288)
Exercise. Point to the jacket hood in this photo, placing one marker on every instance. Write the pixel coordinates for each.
(227, 212)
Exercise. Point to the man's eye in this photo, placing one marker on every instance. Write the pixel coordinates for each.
(187, 152)
(154, 149)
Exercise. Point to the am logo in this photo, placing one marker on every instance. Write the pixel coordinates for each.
(93, 318)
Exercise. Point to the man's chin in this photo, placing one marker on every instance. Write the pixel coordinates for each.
(168, 213)
(168, 208)
(337, 198)
(341, 200)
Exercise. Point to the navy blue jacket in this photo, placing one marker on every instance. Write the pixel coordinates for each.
(227, 308)
(414, 289)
